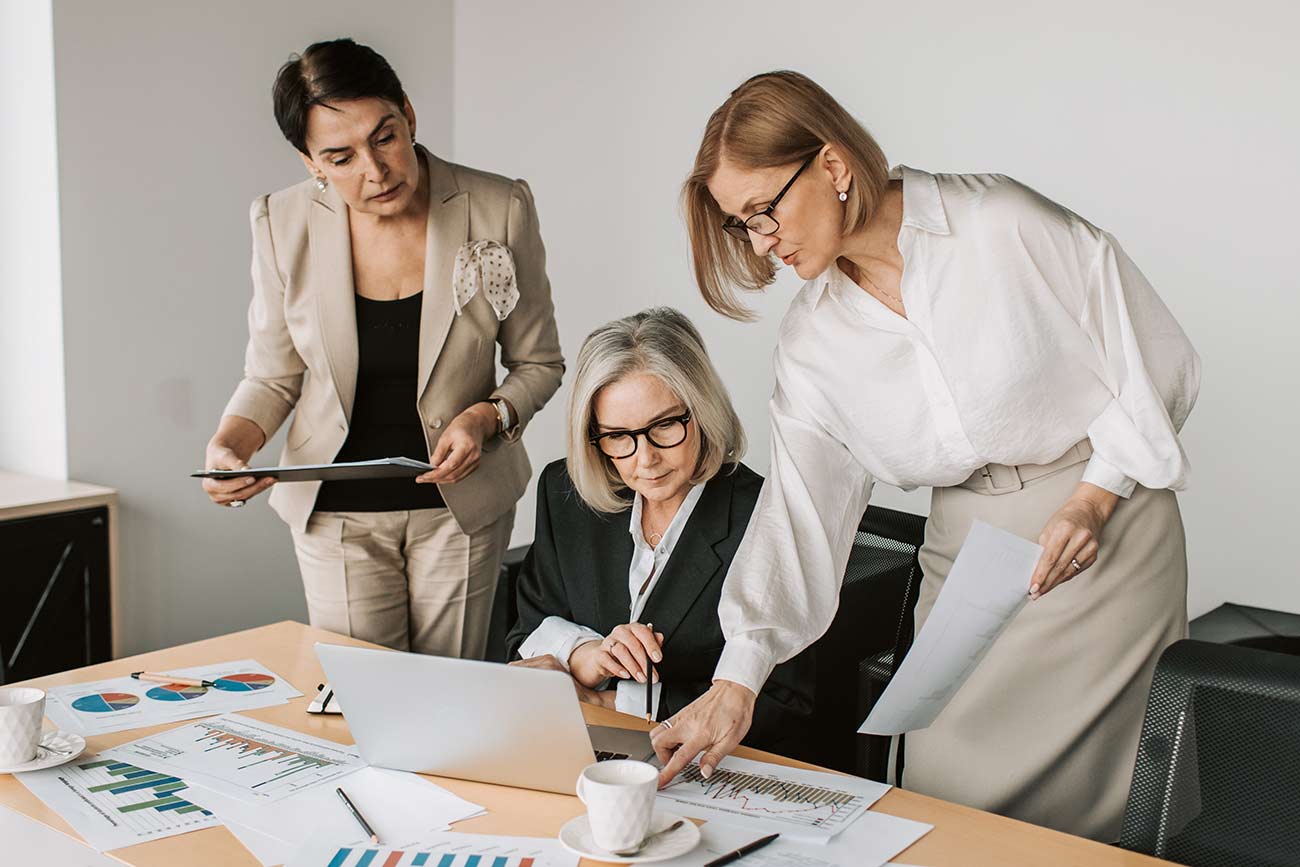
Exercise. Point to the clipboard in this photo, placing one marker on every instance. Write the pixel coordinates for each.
(382, 468)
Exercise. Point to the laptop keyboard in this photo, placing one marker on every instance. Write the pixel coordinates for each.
(605, 755)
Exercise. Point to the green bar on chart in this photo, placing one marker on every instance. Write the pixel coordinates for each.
(145, 805)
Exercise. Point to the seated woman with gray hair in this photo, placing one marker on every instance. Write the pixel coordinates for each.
(637, 528)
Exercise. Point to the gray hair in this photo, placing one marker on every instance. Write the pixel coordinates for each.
(664, 343)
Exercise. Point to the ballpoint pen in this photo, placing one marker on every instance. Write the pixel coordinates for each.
(742, 851)
(153, 677)
(356, 814)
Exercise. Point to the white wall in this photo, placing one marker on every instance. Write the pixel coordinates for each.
(165, 137)
(32, 422)
(1171, 125)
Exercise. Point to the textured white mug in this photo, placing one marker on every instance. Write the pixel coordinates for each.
(620, 798)
(22, 712)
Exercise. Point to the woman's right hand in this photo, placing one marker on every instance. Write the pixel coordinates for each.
(602, 698)
(627, 652)
(223, 492)
(710, 727)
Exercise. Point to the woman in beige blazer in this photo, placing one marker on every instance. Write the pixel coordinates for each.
(381, 287)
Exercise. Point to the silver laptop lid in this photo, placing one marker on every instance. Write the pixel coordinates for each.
(461, 718)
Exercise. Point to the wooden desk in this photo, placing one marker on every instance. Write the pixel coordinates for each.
(962, 837)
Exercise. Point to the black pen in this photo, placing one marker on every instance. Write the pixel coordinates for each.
(742, 851)
(650, 684)
(356, 814)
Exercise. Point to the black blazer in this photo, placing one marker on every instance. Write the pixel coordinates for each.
(577, 569)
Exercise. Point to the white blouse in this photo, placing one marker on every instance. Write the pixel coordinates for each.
(1028, 329)
(560, 637)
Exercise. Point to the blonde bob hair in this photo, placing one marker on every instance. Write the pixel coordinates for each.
(773, 119)
(663, 343)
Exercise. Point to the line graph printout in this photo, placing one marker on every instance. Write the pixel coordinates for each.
(245, 758)
(795, 802)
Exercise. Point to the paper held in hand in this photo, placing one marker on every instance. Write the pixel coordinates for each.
(985, 589)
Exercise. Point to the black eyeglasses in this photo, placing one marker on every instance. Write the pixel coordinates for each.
(664, 434)
(763, 223)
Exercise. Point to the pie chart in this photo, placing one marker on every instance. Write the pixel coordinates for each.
(176, 692)
(244, 682)
(104, 702)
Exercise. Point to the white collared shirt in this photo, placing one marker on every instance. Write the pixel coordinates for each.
(560, 637)
(1028, 329)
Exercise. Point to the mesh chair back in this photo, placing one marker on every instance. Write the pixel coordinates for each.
(1217, 777)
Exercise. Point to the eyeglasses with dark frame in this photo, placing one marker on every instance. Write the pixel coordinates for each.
(666, 433)
(763, 223)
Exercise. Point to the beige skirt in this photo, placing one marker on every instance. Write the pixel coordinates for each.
(1046, 729)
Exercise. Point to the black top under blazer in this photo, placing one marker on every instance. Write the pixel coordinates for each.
(577, 569)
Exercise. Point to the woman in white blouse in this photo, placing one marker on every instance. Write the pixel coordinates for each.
(961, 332)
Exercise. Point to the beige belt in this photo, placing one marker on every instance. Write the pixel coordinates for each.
(996, 479)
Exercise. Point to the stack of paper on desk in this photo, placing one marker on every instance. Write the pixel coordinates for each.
(403, 808)
(275, 787)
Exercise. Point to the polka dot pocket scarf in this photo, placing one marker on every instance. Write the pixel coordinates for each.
(486, 266)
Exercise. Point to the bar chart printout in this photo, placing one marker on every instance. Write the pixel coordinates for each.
(330, 855)
(245, 758)
(113, 803)
(811, 803)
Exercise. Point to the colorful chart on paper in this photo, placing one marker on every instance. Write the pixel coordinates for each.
(176, 692)
(114, 803)
(119, 703)
(373, 856)
(244, 757)
(106, 702)
(244, 682)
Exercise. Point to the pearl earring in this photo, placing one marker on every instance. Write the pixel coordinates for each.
(321, 184)
(844, 197)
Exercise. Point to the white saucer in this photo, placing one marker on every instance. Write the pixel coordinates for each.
(576, 837)
(56, 748)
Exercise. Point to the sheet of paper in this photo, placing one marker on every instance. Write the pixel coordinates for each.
(269, 850)
(319, 854)
(121, 703)
(869, 842)
(403, 808)
(986, 588)
(811, 805)
(544, 851)
(113, 803)
(245, 758)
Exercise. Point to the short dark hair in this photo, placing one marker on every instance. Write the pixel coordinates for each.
(328, 71)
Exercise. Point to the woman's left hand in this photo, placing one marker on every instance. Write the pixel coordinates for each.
(460, 447)
(1072, 537)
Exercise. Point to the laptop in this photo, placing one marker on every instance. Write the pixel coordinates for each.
(471, 720)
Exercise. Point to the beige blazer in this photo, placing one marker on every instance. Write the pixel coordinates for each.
(302, 333)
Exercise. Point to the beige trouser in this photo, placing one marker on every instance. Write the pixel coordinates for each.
(1046, 728)
(406, 580)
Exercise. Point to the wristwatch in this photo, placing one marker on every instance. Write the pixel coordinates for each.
(505, 421)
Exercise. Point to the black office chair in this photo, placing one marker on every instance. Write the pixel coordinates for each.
(505, 603)
(1217, 777)
(872, 628)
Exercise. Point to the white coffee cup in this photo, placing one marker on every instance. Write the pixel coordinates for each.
(620, 798)
(22, 712)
